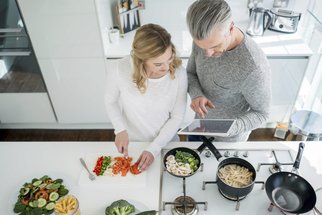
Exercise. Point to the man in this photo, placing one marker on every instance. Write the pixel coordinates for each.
(228, 74)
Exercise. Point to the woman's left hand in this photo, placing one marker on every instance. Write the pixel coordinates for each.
(145, 160)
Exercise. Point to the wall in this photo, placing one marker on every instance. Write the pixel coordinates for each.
(172, 13)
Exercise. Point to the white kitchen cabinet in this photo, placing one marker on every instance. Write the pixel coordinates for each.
(25, 108)
(287, 76)
(76, 88)
(67, 41)
(62, 29)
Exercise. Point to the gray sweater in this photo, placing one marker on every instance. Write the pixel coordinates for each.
(238, 83)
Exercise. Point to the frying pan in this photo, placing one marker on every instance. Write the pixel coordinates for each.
(183, 149)
(227, 190)
(289, 191)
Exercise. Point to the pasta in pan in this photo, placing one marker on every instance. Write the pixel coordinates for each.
(235, 175)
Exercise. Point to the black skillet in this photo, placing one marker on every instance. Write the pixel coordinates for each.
(289, 191)
(225, 189)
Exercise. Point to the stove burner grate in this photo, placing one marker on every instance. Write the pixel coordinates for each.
(271, 206)
(275, 167)
(236, 199)
(231, 197)
(184, 205)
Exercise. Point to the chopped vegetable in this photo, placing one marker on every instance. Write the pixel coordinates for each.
(102, 164)
(115, 166)
(120, 207)
(122, 165)
(186, 157)
(134, 169)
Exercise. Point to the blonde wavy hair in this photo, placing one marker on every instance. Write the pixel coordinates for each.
(150, 41)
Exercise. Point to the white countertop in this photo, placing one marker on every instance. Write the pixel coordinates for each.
(22, 161)
(272, 43)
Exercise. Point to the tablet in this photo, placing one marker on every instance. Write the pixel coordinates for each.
(208, 127)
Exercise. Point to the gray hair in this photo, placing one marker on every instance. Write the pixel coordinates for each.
(204, 15)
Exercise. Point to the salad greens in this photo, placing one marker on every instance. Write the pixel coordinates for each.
(38, 197)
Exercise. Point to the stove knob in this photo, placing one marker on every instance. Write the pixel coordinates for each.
(245, 154)
(227, 154)
(208, 154)
(236, 154)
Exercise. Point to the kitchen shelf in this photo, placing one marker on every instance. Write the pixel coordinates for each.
(129, 11)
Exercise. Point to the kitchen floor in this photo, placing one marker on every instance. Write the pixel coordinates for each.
(262, 134)
(21, 81)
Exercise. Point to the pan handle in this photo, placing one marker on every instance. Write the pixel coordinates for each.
(212, 148)
(298, 157)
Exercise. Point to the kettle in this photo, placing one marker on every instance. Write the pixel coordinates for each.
(257, 21)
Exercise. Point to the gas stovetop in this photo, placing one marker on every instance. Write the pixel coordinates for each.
(202, 189)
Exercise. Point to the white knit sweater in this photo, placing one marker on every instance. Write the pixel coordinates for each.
(154, 116)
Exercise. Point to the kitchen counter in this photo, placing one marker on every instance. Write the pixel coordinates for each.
(272, 43)
(22, 161)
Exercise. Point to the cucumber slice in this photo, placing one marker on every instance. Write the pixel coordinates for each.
(31, 204)
(42, 185)
(53, 186)
(50, 206)
(53, 197)
(41, 202)
(25, 191)
(37, 183)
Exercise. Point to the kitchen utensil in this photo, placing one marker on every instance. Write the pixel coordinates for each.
(289, 191)
(91, 176)
(257, 21)
(225, 189)
(114, 35)
(183, 149)
(132, 14)
(285, 21)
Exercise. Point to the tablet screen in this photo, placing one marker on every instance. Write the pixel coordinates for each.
(215, 127)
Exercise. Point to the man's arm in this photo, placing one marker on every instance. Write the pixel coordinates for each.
(257, 92)
(194, 87)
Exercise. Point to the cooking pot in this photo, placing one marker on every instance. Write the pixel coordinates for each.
(231, 192)
(183, 149)
(260, 19)
(289, 191)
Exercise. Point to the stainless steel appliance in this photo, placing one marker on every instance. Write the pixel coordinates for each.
(285, 21)
(19, 69)
(202, 187)
(260, 19)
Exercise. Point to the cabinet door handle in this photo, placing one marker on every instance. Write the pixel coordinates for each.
(10, 30)
(15, 53)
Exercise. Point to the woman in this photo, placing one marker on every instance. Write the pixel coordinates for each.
(146, 93)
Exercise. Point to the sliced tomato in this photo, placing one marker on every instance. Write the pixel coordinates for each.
(25, 200)
(134, 169)
(41, 194)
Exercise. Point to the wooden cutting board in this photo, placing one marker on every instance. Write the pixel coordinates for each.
(129, 180)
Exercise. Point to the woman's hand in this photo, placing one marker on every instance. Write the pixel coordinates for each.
(145, 160)
(200, 105)
(122, 142)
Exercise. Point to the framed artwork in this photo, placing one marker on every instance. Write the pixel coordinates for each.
(128, 16)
